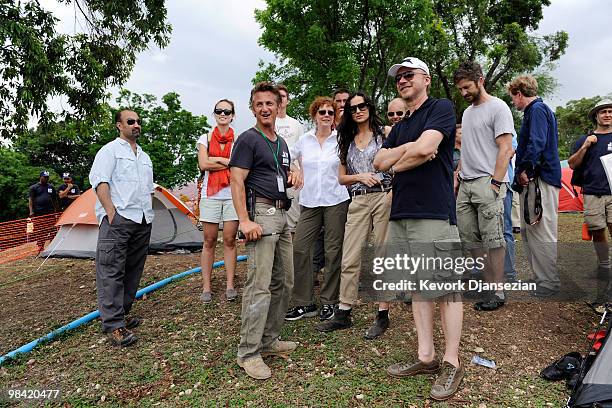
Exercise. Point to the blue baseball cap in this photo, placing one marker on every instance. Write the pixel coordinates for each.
(44, 173)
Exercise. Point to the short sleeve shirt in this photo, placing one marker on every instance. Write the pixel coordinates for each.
(42, 198)
(595, 179)
(65, 202)
(426, 192)
(361, 161)
(254, 152)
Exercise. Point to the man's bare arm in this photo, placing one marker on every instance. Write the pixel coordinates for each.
(576, 159)
(251, 230)
(422, 150)
(103, 193)
(504, 154)
(385, 158)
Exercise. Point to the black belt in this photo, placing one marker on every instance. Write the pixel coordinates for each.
(279, 204)
(355, 193)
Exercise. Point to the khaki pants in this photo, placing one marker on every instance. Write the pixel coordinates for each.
(269, 283)
(367, 213)
(540, 240)
(311, 221)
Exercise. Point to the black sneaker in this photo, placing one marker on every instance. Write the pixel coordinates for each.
(339, 320)
(327, 312)
(132, 322)
(378, 328)
(492, 302)
(297, 312)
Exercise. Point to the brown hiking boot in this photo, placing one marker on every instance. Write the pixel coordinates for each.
(409, 369)
(122, 337)
(279, 348)
(448, 381)
(255, 368)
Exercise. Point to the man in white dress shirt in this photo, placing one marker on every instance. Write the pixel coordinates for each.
(122, 176)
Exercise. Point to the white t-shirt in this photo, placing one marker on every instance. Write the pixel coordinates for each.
(224, 193)
(289, 129)
(320, 165)
(480, 126)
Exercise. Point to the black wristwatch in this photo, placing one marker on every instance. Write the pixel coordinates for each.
(496, 183)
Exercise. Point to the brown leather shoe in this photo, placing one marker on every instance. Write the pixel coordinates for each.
(279, 348)
(416, 368)
(255, 368)
(448, 381)
(122, 337)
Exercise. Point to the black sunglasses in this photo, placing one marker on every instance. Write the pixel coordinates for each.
(227, 112)
(392, 114)
(409, 75)
(322, 112)
(361, 106)
(132, 121)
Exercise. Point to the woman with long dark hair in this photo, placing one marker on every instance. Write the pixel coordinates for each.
(360, 136)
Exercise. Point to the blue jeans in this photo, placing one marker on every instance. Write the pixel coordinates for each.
(509, 270)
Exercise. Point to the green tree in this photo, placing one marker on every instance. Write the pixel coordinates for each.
(16, 177)
(38, 63)
(169, 134)
(323, 44)
(573, 122)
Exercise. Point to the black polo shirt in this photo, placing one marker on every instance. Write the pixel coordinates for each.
(426, 192)
(254, 152)
(595, 181)
(65, 202)
(42, 198)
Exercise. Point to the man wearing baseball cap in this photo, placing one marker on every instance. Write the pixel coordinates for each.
(68, 192)
(585, 160)
(42, 197)
(419, 152)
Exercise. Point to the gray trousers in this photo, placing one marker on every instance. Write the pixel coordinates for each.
(306, 233)
(120, 258)
(540, 240)
(268, 285)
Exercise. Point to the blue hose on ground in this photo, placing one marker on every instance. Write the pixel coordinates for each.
(94, 315)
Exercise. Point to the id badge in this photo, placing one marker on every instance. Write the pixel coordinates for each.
(281, 184)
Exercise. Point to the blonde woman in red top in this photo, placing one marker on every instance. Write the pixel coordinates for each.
(216, 205)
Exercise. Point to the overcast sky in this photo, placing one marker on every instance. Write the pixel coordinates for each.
(213, 53)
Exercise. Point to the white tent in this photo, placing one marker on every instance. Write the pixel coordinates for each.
(173, 227)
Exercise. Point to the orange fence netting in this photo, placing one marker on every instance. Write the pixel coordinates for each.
(26, 237)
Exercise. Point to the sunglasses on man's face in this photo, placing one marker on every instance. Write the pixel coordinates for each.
(323, 112)
(408, 75)
(132, 121)
(226, 112)
(360, 106)
(392, 114)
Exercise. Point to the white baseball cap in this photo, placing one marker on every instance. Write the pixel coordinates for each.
(409, 62)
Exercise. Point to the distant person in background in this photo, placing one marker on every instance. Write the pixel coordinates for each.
(538, 172)
(291, 130)
(122, 177)
(324, 202)
(340, 97)
(68, 192)
(585, 159)
(457, 148)
(396, 109)
(214, 150)
(42, 201)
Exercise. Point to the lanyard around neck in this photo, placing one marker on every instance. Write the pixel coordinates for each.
(271, 150)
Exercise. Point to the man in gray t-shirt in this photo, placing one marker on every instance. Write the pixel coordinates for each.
(486, 150)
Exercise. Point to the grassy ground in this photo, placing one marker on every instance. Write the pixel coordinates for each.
(186, 352)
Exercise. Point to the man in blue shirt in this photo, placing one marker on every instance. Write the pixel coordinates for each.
(597, 196)
(538, 174)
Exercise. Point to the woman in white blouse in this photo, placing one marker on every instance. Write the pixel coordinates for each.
(324, 203)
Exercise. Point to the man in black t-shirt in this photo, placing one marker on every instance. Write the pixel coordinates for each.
(585, 159)
(43, 197)
(419, 152)
(68, 192)
(260, 175)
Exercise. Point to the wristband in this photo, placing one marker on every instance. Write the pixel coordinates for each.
(496, 183)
